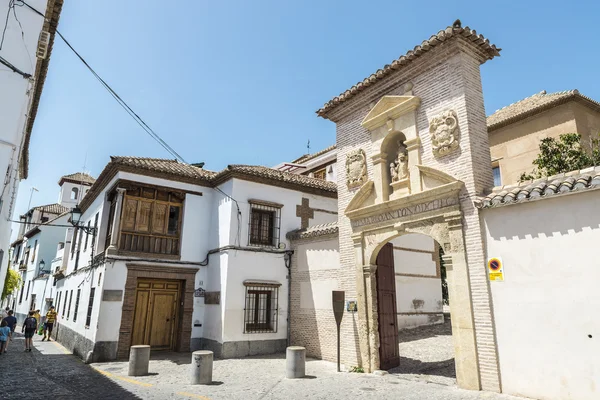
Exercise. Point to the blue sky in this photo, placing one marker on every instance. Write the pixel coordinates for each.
(238, 82)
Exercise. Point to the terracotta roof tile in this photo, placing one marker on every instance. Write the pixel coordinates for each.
(451, 32)
(173, 169)
(163, 165)
(535, 104)
(308, 157)
(314, 231)
(276, 175)
(538, 189)
(54, 208)
(77, 177)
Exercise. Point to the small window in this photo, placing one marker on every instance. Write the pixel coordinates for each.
(58, 302)
(264, 225)
(87, 235)
(497, 177)
(76, 305)
(261, 311)
(320, 174)
(64, 304)
(35, 247)
(173, 227)
(74, 193)
(88, 318)
(70, 301)
(28, 287)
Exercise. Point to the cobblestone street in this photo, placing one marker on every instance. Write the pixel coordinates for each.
(50, 371)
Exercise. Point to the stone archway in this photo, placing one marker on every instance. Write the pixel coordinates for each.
(435, 213)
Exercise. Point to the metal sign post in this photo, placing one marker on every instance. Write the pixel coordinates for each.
(338, 299)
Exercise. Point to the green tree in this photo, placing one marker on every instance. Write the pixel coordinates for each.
(11, 283)
(563, 155)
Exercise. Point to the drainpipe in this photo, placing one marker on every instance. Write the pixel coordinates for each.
(288, 264)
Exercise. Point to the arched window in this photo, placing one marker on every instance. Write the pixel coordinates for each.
(74, 193)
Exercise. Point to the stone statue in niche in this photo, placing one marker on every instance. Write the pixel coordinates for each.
(443, 129)
(356, 168)
(399, 167)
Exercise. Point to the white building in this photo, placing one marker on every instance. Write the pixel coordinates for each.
(182, 258)
(25, 55)
(41, 232)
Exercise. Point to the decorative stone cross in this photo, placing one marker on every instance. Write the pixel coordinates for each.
(305, 213)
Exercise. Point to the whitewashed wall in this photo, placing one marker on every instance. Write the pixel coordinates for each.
(418, 286)
(321, 259)
(18, 48)
(545, 311)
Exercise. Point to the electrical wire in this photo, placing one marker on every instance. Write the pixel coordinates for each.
(137, 118)
(5, 24)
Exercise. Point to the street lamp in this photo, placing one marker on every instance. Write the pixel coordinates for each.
(76, 219)
(42, 269)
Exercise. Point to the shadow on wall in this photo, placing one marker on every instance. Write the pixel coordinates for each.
(561, 216)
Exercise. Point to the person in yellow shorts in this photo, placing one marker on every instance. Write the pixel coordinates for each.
(49, 324)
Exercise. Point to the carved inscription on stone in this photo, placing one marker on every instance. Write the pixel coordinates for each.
(406, 211)
(356, 168)
(444, 133)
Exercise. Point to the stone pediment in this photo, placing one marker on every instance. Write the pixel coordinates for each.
(389, 107)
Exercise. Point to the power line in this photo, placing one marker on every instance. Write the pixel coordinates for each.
(119, 100)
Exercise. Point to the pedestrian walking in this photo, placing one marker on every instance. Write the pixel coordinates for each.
(11, 322)
(29, 328)
(5, 312)
(38, 318)
(49, 324)
(4, 335)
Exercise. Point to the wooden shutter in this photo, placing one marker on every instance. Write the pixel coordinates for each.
(159, 218)
(129, 215)
(142, 223)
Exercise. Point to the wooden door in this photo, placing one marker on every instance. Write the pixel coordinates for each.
(156, 314)
(386, 308)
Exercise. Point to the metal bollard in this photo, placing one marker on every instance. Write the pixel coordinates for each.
(295, 362)
(139, 359)
(202, 365)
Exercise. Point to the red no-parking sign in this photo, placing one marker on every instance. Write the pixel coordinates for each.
(495, 269)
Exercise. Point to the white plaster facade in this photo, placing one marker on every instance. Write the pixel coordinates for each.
(18, 102)
(215, 248)
(545, 309)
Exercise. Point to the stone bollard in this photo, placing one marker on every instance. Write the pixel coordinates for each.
(139, 359)
(295, 362)
(202, 365)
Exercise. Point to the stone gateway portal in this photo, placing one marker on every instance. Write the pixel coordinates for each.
(412, 140)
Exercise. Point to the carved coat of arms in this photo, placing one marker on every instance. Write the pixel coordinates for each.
(356, 168)
(444, 132)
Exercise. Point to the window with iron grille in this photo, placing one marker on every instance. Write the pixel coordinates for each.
(76, 305)
(88, 318)
(262, 308)
(70, 300)
(264, 224)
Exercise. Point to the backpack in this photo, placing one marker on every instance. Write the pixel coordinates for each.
(30, 323)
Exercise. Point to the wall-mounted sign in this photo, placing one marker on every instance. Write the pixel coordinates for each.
(212, 297)
(495, 269)
(351, 306)
(199, 292)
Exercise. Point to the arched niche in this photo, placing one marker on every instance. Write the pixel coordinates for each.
(393, 118)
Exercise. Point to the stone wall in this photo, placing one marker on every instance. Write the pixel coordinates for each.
(83, 347)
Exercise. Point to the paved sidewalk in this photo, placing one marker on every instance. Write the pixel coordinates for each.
(263, 378)
(50, 371)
